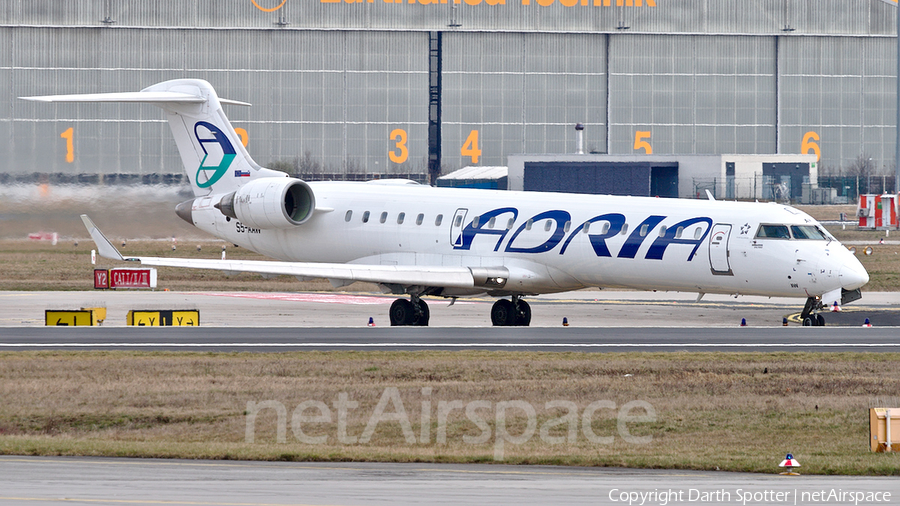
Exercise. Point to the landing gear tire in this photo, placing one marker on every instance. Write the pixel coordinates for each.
(409, 313)
(814, 320)
(503, 313)
(402, 313)
(511, 313)
(423, 315)
(523, 314)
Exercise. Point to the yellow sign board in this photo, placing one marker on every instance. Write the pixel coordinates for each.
(83, 317)
(184, 318)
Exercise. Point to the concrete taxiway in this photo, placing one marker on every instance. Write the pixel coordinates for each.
(54, 480)
(588, 308)
(617, 339)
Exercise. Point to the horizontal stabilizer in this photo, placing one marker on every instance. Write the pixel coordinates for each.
(146, 97)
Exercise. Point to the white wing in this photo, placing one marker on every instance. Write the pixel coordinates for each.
(450, 277)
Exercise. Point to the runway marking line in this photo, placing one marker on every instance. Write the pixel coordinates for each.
(144, 501)
(448, 345)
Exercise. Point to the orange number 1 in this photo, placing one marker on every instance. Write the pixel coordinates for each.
(70, 148)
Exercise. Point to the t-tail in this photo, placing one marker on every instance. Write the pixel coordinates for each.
(213, 155)
(214, 158)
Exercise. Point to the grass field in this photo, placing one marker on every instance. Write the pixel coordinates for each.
(734, 411)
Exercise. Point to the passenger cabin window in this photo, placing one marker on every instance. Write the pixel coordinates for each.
(509, 224)
(348, 215)
(662, 231)
(419, 219)
(548, 225)
(678, 232)
(528, 224)
(439, 218)
(400, 218)
(458, 221)
(773, 232)
(698, 232)
(492, 222)
(624, 229)
(587, 227)
(644, 229)
(809, 232)
(365, 217)
(476, 221)
(383, 217)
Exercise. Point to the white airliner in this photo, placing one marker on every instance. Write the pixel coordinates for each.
(419, 240)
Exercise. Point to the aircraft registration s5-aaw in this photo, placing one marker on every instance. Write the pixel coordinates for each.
(419, 240)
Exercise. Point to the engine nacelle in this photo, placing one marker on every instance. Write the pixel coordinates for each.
(271, 202)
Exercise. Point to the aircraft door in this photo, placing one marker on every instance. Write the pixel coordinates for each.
(456, 227)
(718, 250)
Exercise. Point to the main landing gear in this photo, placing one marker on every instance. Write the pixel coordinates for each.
(505, 312)
(511, 313)
(413, 312)
(809, 316)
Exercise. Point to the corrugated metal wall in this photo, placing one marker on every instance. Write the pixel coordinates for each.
(748, 76)
(657, 16)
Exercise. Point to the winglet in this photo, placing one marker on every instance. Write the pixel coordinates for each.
(106, 249)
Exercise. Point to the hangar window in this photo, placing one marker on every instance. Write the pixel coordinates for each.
(773, 232)
(419, 219)
(400, 218)
(439, 218)
(383, 217)
(807, 232)
(348, 215)
(365, 217)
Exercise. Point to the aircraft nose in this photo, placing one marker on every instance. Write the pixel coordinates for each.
(853, 274)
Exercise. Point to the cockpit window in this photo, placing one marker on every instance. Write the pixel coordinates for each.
(807, 232)
(799, 232)
(773, 232)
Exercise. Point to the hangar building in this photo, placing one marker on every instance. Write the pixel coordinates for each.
(351, 88)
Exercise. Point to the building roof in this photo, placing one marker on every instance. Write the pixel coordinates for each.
(477, 172)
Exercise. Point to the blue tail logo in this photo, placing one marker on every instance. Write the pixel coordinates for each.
(228, 154)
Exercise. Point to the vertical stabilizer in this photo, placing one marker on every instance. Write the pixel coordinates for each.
(213, 155)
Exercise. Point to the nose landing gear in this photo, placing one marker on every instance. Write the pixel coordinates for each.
(809, 316)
